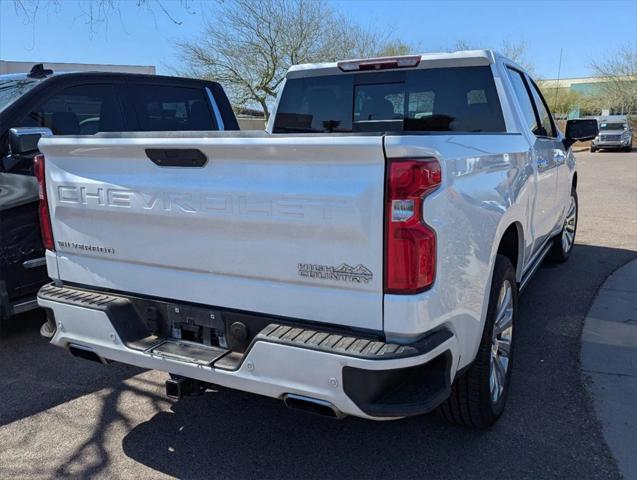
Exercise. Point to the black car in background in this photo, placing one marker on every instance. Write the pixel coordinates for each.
(44, 102)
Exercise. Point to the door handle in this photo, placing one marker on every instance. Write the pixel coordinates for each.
(177, 157)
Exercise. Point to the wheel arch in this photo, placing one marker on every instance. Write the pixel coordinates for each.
(511, 245)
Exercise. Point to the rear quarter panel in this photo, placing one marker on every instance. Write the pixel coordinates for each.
(486, 187)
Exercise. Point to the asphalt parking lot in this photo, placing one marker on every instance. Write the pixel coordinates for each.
(65, 417)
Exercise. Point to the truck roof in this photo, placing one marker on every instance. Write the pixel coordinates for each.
(24, 76)
(462, 58)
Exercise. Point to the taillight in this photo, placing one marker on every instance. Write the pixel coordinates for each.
(379, 63)
(410, 255)
(45, 218)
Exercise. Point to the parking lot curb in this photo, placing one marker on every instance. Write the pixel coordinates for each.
(609, 360)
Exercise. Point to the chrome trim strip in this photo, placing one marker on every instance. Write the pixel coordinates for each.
(218, 118)
(536, 264)
(24, 306)
(34, 262)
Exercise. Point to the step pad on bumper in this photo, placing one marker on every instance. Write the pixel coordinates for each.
(335, 343)
(81, 298)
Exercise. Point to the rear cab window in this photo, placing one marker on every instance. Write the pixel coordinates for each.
(456, 99)
(159, 108)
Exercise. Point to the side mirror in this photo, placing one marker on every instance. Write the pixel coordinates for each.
(24, 140)
(580, 130)
(23, 145)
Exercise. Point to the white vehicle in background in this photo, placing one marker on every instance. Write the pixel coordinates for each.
(615, 133)
(363, 256)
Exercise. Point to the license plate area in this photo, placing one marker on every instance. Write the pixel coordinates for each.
(198, 325)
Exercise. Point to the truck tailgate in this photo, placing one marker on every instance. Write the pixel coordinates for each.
(289, 226)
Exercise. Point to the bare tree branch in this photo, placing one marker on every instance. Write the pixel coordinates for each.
(513, 50)
(618, 74)
(249, 46)
(96, 13)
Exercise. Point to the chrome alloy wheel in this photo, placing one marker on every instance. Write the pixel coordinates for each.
(501, 342)
(568, 232)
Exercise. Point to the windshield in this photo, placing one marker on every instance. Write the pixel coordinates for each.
(11, 90)
(458, 99)
(612, 126)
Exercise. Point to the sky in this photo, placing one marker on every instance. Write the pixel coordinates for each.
(584, 30)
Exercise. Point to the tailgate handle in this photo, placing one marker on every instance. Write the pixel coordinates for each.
(177, 157)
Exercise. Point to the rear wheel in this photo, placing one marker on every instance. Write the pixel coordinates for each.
(563, 243)
(478, 397)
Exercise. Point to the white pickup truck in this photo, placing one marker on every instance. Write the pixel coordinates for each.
(363, 256)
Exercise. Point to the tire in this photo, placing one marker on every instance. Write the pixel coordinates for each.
(4, 315)
(48, 328)
(563, 243)
(479, 395)
(593, 149)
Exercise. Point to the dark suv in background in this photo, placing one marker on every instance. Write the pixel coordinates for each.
(46, 103)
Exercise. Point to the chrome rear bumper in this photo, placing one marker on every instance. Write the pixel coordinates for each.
(358, 377)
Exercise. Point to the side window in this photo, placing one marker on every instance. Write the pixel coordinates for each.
(522, 94)
(545, 115)
(165, 108)
(79, 110)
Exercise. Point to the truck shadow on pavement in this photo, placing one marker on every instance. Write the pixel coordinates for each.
(35, 376)
(548, 430)
(236, 435)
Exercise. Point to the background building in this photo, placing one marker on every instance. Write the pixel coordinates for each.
(587, 96)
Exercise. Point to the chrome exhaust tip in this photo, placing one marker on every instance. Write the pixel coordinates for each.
(312, 405)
